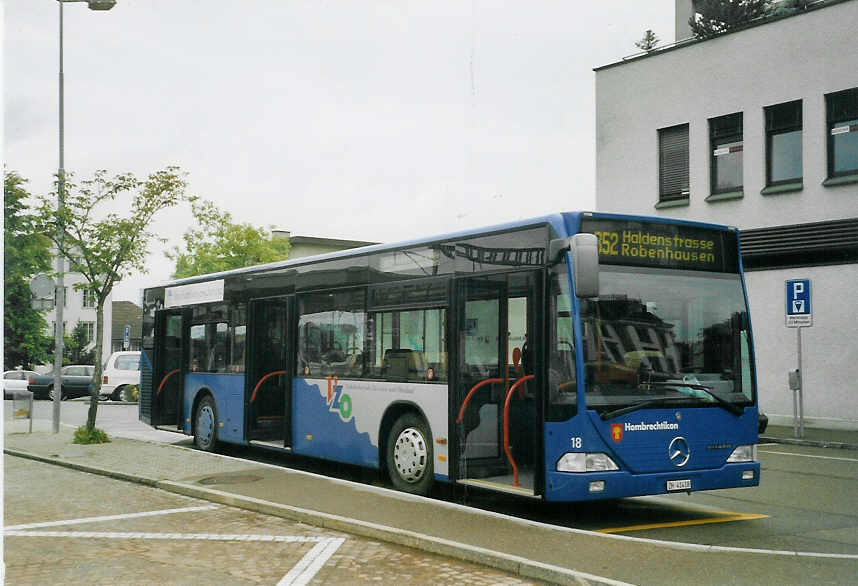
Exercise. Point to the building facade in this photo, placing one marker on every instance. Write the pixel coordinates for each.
(756, 128)
(127, 318)
(79, 308)
(303, 246)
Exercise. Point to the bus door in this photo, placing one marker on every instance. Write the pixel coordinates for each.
(269, 372)
(168, 369)
(496, 404)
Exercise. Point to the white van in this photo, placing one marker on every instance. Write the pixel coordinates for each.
(121, 372)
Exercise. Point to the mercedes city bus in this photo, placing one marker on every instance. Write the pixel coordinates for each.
(569, 357)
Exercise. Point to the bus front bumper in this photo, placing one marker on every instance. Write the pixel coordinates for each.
(566, 486)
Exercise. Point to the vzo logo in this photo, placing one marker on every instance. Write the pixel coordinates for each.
(337, 400)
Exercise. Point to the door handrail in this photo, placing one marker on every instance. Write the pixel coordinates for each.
(262, 380)
(506, 427)
(471, 392)
(164, 380)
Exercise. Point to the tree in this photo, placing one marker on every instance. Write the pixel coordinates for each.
(75, 347)
(715, 17)
(104, 246)
(25, 253)
(648, 41)
(217, 244)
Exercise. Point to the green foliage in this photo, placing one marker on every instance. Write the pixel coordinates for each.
(25, 253)
(104, 246)
(74, 347)
(648, 41)
(217, 244)
(85, 435)
(787, 7)
(715, 17)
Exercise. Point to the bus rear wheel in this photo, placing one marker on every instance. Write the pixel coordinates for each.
(409, 455)
(205, 425)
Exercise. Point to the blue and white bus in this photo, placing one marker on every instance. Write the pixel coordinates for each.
(569, 357)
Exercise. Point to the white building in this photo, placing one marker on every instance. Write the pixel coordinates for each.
(758, 129)
(80, 307)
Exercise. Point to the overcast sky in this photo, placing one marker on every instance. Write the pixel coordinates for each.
(369, 120)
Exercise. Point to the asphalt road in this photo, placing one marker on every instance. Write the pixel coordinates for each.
(806, 501)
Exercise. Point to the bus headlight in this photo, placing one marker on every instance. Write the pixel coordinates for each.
(585, 462)
(747, 453)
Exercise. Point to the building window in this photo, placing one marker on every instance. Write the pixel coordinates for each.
(65, 297)
(673, 163)
(725, 141)
(842, 117)
(89, 330)
(89, 299)
(783, 143)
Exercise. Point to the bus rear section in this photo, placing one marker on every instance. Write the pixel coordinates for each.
(662, 395)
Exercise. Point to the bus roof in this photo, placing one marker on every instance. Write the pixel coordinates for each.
(564, 224)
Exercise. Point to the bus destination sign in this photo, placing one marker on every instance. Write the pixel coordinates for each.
(663, 245)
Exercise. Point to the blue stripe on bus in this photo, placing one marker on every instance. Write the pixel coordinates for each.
(228, 393)
(319, 430)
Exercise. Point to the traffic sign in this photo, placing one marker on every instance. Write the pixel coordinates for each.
(799, 313)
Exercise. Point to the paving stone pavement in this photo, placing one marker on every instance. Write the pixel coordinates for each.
(35, 492)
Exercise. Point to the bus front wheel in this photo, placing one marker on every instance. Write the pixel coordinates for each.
(205, 425)
(409, 455)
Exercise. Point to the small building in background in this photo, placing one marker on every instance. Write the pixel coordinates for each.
(302, 246)
(126, 316)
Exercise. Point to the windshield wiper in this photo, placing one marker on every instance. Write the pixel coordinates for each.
(642, 405)
(722, 402)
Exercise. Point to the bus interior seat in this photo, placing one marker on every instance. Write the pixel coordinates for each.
(404, 364)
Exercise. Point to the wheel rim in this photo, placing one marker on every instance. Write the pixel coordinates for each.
(205, 425)
(410, 455)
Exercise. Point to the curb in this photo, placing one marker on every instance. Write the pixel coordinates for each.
(809, 443)
(515, 565)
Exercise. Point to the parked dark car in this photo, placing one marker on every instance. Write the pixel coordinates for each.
(76, 382)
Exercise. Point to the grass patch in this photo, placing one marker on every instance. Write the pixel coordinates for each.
(85, 436)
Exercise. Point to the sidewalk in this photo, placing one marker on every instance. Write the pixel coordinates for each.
(528, 549)
(813, 436)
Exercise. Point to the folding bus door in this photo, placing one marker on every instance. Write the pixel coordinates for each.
(496, 401)
(269, 371)
(168, 369)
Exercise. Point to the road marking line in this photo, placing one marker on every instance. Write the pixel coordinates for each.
(167, 536)
(726, 519)
(111, 517)
(808, 456)
(309, 565)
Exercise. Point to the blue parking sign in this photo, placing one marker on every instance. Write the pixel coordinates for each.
(799, 313)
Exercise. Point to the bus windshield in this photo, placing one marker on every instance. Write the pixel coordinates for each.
(663, 337)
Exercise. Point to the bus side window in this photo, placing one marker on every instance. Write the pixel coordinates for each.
(331, 331)
(562, 383)
(409, 345)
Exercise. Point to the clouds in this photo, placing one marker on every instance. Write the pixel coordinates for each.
(368, 120)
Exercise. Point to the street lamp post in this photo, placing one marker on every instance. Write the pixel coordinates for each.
(59, 293)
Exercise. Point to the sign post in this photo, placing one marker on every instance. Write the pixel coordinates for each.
(799, 314)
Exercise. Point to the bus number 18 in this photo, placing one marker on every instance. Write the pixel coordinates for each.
(576, 443)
